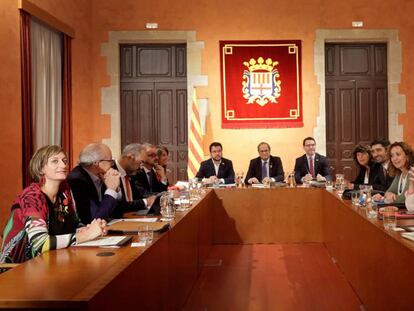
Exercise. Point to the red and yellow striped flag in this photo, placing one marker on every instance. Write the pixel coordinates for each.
(195, 140)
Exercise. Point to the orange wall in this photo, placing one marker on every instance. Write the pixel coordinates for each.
(216, 20)
(213, 20)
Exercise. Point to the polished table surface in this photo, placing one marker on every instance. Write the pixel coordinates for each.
(377, 263)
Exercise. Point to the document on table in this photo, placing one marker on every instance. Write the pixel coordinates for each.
(107, 241)
(408, 235)
(258, 186)
(114, 221)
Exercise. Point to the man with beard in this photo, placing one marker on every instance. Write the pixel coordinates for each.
(216, 170)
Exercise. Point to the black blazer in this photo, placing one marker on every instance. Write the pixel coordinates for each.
(137, 195)
(320, 166)
(225, 170)
(375, 178)
(275, 169)
(86, 198)
(140, 181)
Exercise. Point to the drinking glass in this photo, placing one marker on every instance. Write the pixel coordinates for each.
(167, 208)
(372, 211)
(291, 180)
(355, 195)
(340, 184)
(329, 185)
(389, 217)
(193, 189)
(239, 179)
(145, 234)
(184, 202)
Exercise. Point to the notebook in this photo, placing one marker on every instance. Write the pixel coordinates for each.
(107, 241)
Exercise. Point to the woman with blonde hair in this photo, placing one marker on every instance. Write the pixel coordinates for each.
(43, 217)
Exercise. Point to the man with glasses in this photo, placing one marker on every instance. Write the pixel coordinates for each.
(312, 165)
(265, 168)
(95, 184)
(128, 165)
(151, 176)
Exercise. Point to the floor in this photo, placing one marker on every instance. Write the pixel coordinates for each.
(271, 277)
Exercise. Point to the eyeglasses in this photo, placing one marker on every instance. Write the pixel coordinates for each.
(152, 155)
(110, 161)
(310, 145)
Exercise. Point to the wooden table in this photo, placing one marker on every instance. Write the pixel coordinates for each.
(377, 263)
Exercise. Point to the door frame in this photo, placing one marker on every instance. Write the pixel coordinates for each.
(110, 96)
(396, 100)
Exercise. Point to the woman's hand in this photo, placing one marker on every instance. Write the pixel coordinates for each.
(93, 230)
(377, 197)
(390, 197)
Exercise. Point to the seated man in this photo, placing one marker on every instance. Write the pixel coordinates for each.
(216, 170)
(311, 165)
(128, 165)
(379, 148)
(95, 184)
(265, 167)
(151, 177)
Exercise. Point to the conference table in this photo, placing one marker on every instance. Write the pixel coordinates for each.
(377, 263)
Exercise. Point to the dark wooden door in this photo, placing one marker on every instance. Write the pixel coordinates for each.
(154, 100)
(356, 100)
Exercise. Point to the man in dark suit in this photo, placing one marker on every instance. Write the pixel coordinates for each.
(95, 184)
(379, 151)
(311, 165)
(265, 167)
(216, 170)
(151, 177)
(133, 198)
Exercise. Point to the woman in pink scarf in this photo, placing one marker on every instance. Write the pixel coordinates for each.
(43, 217)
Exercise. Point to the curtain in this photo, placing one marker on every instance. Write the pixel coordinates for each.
(67, 97)
(27, 124)
(46, 48)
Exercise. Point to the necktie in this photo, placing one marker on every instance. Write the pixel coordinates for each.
(311, 168)
(150, 180)
(264, 169)
(128, 191)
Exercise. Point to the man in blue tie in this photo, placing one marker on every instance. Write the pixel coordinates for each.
(265, 168)
(312, 165)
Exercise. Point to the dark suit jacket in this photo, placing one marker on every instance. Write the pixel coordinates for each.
(140, 181)
(384, 178)
(86, 198)
(275, 169)
(375, 178)
(320, 166)
(225, 170)
(137, 195)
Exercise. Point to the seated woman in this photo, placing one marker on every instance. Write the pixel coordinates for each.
(402, 157)
(368, 170)
(409, 195)
(43, 216)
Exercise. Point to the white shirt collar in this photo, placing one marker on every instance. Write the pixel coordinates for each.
(121, 170)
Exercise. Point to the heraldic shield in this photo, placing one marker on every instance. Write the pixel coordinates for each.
(260, 82)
